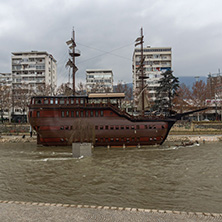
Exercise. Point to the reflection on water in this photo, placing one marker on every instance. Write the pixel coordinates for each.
(167, 177)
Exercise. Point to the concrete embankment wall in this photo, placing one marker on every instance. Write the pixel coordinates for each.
(14, 129)
(197, 127)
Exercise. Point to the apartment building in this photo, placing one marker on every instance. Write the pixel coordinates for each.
(32, 73)
(156, 61)
(34, 69)
(99, 80)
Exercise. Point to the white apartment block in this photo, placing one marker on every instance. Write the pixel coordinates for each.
(99, 80)
(34, 69)
(156, 61)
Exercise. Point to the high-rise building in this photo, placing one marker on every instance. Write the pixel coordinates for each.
(35, 69)
(156, 61)
(99, 80)
(32, 73)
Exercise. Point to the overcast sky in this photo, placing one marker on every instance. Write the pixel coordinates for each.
(106, 31)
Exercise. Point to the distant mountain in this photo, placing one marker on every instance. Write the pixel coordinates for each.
(187, 80)
(190, 80)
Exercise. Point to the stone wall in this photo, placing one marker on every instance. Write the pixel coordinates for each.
(195, 126)
(14, 129)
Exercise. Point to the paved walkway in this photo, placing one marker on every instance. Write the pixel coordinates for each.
(37, 212)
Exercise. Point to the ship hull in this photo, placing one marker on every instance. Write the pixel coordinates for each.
(100, 131)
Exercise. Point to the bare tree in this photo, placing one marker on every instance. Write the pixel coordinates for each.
(64, 89)
(5, 101)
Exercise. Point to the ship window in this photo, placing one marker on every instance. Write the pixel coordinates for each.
(122, 127)
(91, 113)
(101, 127)
(154, 127)
(101, 113)
(87, 113)
(81, 101)
(137, 126)
(97, 113)
(117, 127)
(96, 127)
(133, 139)
(151, 138)
(51, 101)
(56, 100)
(62, 128)
(77, 101)
(30, 113)
(61, 101)
(72, 113)
(127, 127)
(38, 114)
(77, 113)
(81, 113)
(154, 138)
(150, 127)
(67, 113)
(127, 139)
(63, 114)
(67, 127)
(145, 126)
(117, 139)
(72, 101)
(132, 127)
(46, 101)
(107, 127)
(111, 139)
(38, 101)
(111, 127)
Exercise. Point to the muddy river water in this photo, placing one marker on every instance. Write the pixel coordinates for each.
(166, 177)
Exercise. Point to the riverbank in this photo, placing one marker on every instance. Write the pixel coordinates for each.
(23, 211)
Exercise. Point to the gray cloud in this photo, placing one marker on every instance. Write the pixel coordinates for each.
(191, 28)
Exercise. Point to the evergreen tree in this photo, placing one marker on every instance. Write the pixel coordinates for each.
(166, 91)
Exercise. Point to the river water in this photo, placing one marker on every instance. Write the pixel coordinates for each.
(165, 177)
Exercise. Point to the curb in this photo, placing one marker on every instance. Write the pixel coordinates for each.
(202, 214)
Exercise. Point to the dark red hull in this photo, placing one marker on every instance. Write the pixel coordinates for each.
(101, 124)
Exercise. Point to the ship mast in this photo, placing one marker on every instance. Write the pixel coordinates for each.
(139, 41)
(71, 62)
